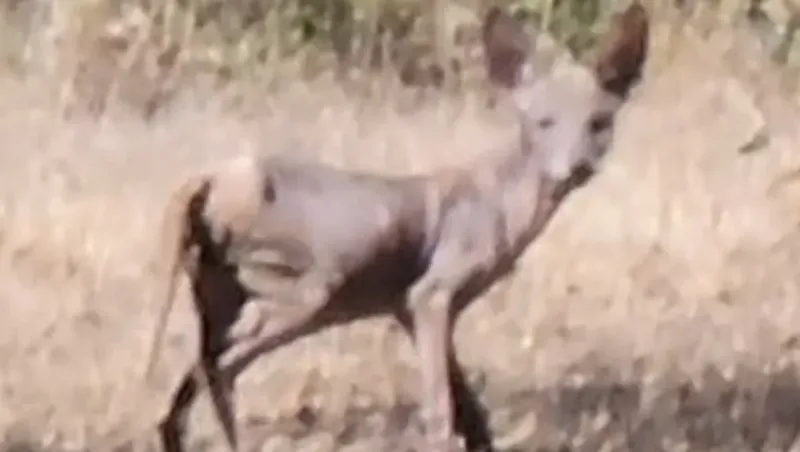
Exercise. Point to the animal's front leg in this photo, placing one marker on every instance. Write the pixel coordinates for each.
(430, 308)
(467, 248)
(470, 419)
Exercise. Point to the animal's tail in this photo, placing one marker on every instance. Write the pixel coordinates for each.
(178, 235)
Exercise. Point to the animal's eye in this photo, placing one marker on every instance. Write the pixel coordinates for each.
(600, 123)
(545, 123)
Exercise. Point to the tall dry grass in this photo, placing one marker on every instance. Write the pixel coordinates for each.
(673, 260)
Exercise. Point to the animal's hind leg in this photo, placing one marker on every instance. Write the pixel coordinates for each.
(221, 388)
(172, 426)
(307, 315)
(469, 418)
(213, 344)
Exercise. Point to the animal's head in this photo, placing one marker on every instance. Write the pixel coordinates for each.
(567, 116)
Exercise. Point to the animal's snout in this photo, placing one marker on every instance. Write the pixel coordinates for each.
(582, 174)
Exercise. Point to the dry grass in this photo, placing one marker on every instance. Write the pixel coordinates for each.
(655, 313)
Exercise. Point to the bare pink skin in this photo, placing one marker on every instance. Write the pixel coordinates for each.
(417, 247)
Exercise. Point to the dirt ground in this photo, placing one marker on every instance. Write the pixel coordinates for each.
(658, 312)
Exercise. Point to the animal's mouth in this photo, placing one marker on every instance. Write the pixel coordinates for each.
(577, 179)
(581, 175)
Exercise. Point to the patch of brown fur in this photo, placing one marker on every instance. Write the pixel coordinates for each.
(622, 50)
(506, 47)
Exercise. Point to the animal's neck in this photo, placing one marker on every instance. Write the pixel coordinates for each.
(546, 204)
(527, 196)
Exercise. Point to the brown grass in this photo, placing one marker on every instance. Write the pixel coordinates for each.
(655, 313)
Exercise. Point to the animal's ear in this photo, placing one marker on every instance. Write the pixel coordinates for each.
(505, 48)
(621, 54)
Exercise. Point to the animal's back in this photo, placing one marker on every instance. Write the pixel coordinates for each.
(347, 218)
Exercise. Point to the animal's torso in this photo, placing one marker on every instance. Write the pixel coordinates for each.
(367, 228)
(378, 232)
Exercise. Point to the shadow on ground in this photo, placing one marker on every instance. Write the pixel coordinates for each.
(738, 410)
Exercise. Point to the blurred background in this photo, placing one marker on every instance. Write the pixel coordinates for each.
(659, 311)
(144, 53)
